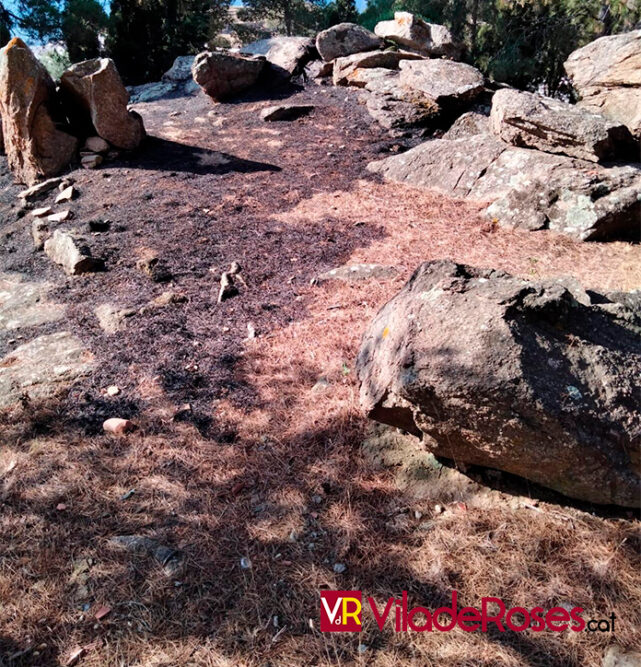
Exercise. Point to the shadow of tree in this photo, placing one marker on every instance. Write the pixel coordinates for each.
(165, 155)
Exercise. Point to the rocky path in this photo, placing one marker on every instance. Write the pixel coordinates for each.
(246, 459)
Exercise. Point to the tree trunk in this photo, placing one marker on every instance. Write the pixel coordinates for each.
(474, 29)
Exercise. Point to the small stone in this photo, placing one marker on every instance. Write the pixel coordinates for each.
(251, 331)
(362, 648)
(317, 500)
(320, 385)
(155, 268)
(245, 563)
(339, 568)
(227, 288)
(438, 509)
(39, 190)
(113, 390)
(91, 161)
(168, 298)
(41, 212)
(72, 254)
(235, 268)
(101, 612)
(615, 656)
(60, 216)
(418, 515)
(96, 145)
(111, 318)
(67, 195)
(117, 426)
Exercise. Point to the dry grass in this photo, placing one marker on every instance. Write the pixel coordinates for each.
(272, 469)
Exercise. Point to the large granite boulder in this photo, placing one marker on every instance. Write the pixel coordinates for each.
(535, 121)
(223, 75)
(287, 56)
(345, 39)
(448, 83)
(37, 141)
(539, 379)
(607, 75)
(390, 104)
(96, 101)
(344, 68)
(414, 34)
(395, 114)
(180, 71)
(468, 124)
(157, 90)
(527, 188)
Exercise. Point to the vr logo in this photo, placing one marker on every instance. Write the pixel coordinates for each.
(341, 611)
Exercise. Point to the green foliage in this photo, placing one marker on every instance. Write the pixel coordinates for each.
(76, 23)
(145, 36)
(341, 11)
(81, 23)
(41, 19)
(56, 61)
(295, 16)
(6, 23)
(378, 10)
(521, 42)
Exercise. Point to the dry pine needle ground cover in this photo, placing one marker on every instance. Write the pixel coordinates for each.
(268, 464)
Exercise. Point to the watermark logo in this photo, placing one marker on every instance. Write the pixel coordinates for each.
(341, 611)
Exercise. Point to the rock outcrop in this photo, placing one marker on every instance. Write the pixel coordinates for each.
(395, 114)
(37, 141)
(538, 379)
(607, 75)
(535, 121)
(345, 68)
(223, 75)
(42, 367)
(96, 102)
(529, 189)
(446, 82)
(287, 56)
(414, 34)
(345, 39)
(468, 124)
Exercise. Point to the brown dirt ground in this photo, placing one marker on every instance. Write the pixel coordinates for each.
(265, 467)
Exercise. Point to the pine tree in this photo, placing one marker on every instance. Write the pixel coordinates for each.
(6, 23)
(81, 22)
(292, 14)
(145, 36)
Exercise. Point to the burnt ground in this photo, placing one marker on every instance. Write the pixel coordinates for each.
(267, 462)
